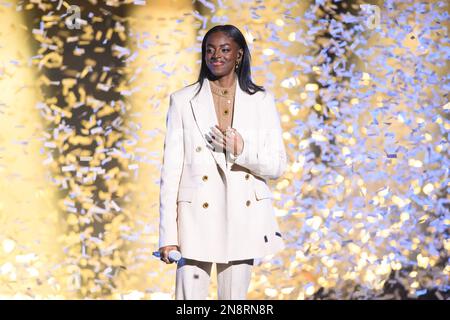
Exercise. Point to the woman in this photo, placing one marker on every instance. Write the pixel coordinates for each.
(223, 143)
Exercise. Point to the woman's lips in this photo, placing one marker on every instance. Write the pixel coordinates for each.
(217, 64)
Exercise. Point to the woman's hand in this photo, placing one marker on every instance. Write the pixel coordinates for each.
(230, 140)
(164, 252)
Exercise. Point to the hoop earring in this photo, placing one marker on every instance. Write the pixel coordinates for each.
(236, 66)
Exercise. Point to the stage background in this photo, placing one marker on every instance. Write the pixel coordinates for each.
(362, 89)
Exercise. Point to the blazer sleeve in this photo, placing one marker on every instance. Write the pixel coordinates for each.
(264, 153)
(170, 175)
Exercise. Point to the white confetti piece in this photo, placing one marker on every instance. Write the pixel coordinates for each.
(68, 168)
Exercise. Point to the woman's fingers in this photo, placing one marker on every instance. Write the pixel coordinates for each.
(224, 140)
(165, 256)
(218, 139)
(164, 252)
(217, 133)
(217, 144)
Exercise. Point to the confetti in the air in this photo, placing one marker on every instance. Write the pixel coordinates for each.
(362, 91)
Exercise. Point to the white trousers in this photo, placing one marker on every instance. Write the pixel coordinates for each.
(193, 277)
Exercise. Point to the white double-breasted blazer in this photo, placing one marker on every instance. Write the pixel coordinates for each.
(217, 207)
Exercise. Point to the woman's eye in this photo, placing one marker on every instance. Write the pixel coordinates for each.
(226, 50)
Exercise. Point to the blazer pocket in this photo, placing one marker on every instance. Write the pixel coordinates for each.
(262, 191)
(185, 194)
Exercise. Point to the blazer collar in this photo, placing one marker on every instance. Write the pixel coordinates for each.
(205, 115)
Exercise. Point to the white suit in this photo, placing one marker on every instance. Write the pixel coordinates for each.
(218, 208)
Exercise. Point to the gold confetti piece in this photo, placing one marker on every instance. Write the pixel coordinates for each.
(311, 87)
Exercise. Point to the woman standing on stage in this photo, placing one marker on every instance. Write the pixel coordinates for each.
(223, 143)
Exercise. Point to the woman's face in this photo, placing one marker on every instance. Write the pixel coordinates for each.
(222, 52)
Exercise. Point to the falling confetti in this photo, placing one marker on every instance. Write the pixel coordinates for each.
(362, 92)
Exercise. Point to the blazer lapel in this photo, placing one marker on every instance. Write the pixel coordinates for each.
(205, 116)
